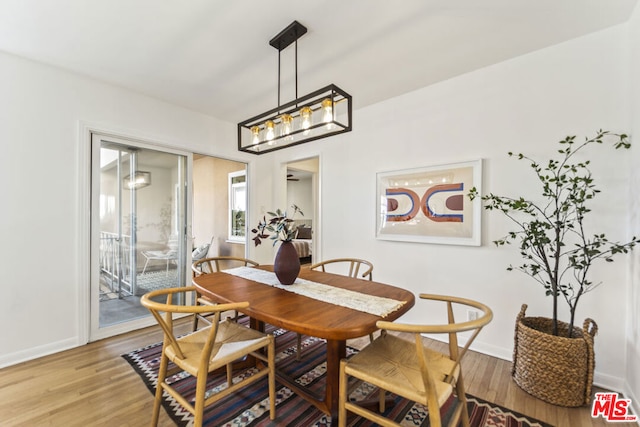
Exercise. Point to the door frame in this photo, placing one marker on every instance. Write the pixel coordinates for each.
(95, 331)
(83, 255)
(316, 196)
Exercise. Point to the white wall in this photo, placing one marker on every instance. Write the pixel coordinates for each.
(525, 104)
(42, 110)
(300, 193)
(632, 375)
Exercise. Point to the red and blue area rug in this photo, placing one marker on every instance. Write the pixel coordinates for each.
(250, 406)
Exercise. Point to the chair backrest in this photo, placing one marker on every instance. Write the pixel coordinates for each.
(451, 328)
(179, 305)
(214, 264)
(357, 267)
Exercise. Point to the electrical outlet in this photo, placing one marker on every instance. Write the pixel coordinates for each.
(472, 315)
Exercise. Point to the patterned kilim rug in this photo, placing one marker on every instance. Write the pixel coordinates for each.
(250, 407)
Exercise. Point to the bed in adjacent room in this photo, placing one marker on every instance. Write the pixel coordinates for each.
(303, 241)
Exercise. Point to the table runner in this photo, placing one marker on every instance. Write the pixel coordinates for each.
(378, 306)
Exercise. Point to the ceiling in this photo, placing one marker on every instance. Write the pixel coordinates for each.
(213, 56)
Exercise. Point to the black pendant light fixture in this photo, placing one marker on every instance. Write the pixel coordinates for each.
(320, 114)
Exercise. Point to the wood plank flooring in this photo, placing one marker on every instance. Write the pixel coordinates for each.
(94, 386)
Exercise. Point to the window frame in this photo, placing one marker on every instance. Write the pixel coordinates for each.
(234, 188)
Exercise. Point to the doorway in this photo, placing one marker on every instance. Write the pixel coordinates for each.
(138, 229)
(219, 206)
(303, 191)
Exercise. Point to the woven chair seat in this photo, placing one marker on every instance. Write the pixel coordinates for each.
(207, 349)
(391, 363)
(232, 342)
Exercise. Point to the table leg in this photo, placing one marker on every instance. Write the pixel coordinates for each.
(256, 324)
(336, 350)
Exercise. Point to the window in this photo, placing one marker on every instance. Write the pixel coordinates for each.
(237, 205)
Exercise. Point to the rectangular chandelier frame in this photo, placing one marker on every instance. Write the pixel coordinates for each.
(323, 113)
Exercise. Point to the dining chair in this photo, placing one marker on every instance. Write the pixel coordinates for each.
(210, 348)
(212, 265)
(340, 265)
(413, 371)
(347, 267)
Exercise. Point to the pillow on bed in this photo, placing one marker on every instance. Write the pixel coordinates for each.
(304, 232)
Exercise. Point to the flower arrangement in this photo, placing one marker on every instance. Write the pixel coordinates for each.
(280, 226)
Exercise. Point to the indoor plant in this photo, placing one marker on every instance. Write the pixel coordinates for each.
(286, 266)
(557, 252)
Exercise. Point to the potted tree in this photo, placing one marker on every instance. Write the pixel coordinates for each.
(286, 266)
(554, 360)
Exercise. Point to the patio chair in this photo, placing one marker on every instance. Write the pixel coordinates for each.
(167, 256)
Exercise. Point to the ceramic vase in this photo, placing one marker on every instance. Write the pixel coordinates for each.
(287, 263)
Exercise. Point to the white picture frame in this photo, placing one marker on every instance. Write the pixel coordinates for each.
(430, 204)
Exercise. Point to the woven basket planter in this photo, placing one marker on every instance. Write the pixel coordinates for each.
(556, 369)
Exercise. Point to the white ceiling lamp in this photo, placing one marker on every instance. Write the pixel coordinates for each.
(325, 112)
(140, 179)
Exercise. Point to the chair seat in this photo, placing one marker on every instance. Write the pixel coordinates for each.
(160, 254)
(232, 342)
(205, 350)
(391, 363)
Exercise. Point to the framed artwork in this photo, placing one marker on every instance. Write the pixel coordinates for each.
(430, 204)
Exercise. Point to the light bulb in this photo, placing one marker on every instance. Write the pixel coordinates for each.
(255, 134)
(327, 111)
(270, 130)
(286, 125)
(305, 119)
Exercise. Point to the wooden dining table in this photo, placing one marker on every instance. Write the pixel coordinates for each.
(308, 316)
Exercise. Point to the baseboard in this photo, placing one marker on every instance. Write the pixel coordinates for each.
(37, 352)
(609, 382)
(635, 403)
(478, 346)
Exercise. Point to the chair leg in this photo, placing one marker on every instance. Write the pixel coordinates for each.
(145, 266)
(201, 388)
(434, 416)
(342, 394)
(195, 322)
(299, 348)
(271, 361)
(162, 374)
(462, 397)
(229, 374)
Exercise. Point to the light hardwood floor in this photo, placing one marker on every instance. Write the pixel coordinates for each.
(94, 386)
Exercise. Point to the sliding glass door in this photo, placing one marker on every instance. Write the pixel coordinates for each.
(138, 228)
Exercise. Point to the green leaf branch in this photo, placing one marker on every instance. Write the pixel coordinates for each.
(555, 247)
(279, 228)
